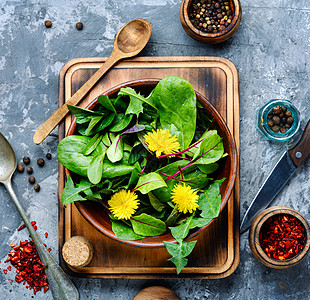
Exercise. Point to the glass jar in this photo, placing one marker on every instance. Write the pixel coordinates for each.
(266, 130)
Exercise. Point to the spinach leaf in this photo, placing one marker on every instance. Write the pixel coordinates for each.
(70, 153)
(124, 232)
(147, 225)
(175, 100)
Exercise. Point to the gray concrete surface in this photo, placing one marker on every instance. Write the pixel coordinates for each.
(271, 52)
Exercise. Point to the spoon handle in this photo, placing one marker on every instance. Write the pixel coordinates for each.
(47, 127)
(60, 284)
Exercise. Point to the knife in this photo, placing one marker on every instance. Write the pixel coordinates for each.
(278, 177)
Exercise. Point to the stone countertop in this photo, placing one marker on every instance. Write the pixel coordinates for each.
(271, 52)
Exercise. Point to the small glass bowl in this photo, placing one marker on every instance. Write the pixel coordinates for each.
(265, 129)
(254, 237)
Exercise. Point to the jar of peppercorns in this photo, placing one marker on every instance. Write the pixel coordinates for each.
(278, 120)
(210, 21)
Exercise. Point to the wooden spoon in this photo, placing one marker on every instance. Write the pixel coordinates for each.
(129, 41)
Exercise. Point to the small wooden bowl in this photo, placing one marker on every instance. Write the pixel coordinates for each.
(255, 243)
(210, 38)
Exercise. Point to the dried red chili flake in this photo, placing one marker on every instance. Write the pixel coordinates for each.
(46, 234)
(21, 227)
(29, 268)
(282, 236)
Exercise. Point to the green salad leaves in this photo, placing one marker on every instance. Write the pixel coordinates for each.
(148, 159)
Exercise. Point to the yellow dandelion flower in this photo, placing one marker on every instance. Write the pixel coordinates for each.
(161, 141)
(185, 198)
(123, 204)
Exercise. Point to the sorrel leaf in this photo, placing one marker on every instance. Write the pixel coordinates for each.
(94, 171)
(115, 151)
(175, 100)
(92, 144)
(124, 232)
(149, 182)
(120, 122)
(147, 225)
(156, 203)
(105, 101)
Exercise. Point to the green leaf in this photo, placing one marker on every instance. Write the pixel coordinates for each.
(180, 232)
(147, 225)
(209, 168)
(175, 100)
(120, 122)
(156, 203)
(124, 232)
(82, 112)
(210, 200)
(92, 144)
(149, 182)
(179, 251)
(133, 94)
(115, 151)
(105, 101)
(93, 122)
(212, 149)
(70, 153)
(71, 193)
(94, 171)
(135, 105)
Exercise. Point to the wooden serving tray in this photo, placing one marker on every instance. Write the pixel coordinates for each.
(216, 254)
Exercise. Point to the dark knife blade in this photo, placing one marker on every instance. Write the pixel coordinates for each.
(278, 177)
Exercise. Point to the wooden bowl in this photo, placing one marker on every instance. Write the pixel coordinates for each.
(255, 243)
(210, 38)
(97, 216)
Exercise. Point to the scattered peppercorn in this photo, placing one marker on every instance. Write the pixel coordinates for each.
(31, 179)
(40, 162)
(36, 187)
(210, 16)
(48, 24)
(79, 25)
(48, 156)
(280, 119)
(20, 168)
(26, 160)
(29, 170)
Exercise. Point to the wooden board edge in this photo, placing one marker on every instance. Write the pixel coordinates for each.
(62, 76)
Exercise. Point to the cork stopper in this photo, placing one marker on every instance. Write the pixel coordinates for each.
(77, 251)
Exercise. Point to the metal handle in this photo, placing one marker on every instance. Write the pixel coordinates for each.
(60, 284)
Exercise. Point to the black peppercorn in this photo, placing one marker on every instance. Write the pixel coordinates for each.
(29, 170)
(48, 156)
(275, 128)
(283, 130)
(26, 160)
(40, 162)
(36, 187)
(20, 168)
(79, 25)
(31, 179)
(290, 120)
(48, 24)
(276, 120)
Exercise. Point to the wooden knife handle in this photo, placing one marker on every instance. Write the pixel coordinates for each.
(301, 151)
